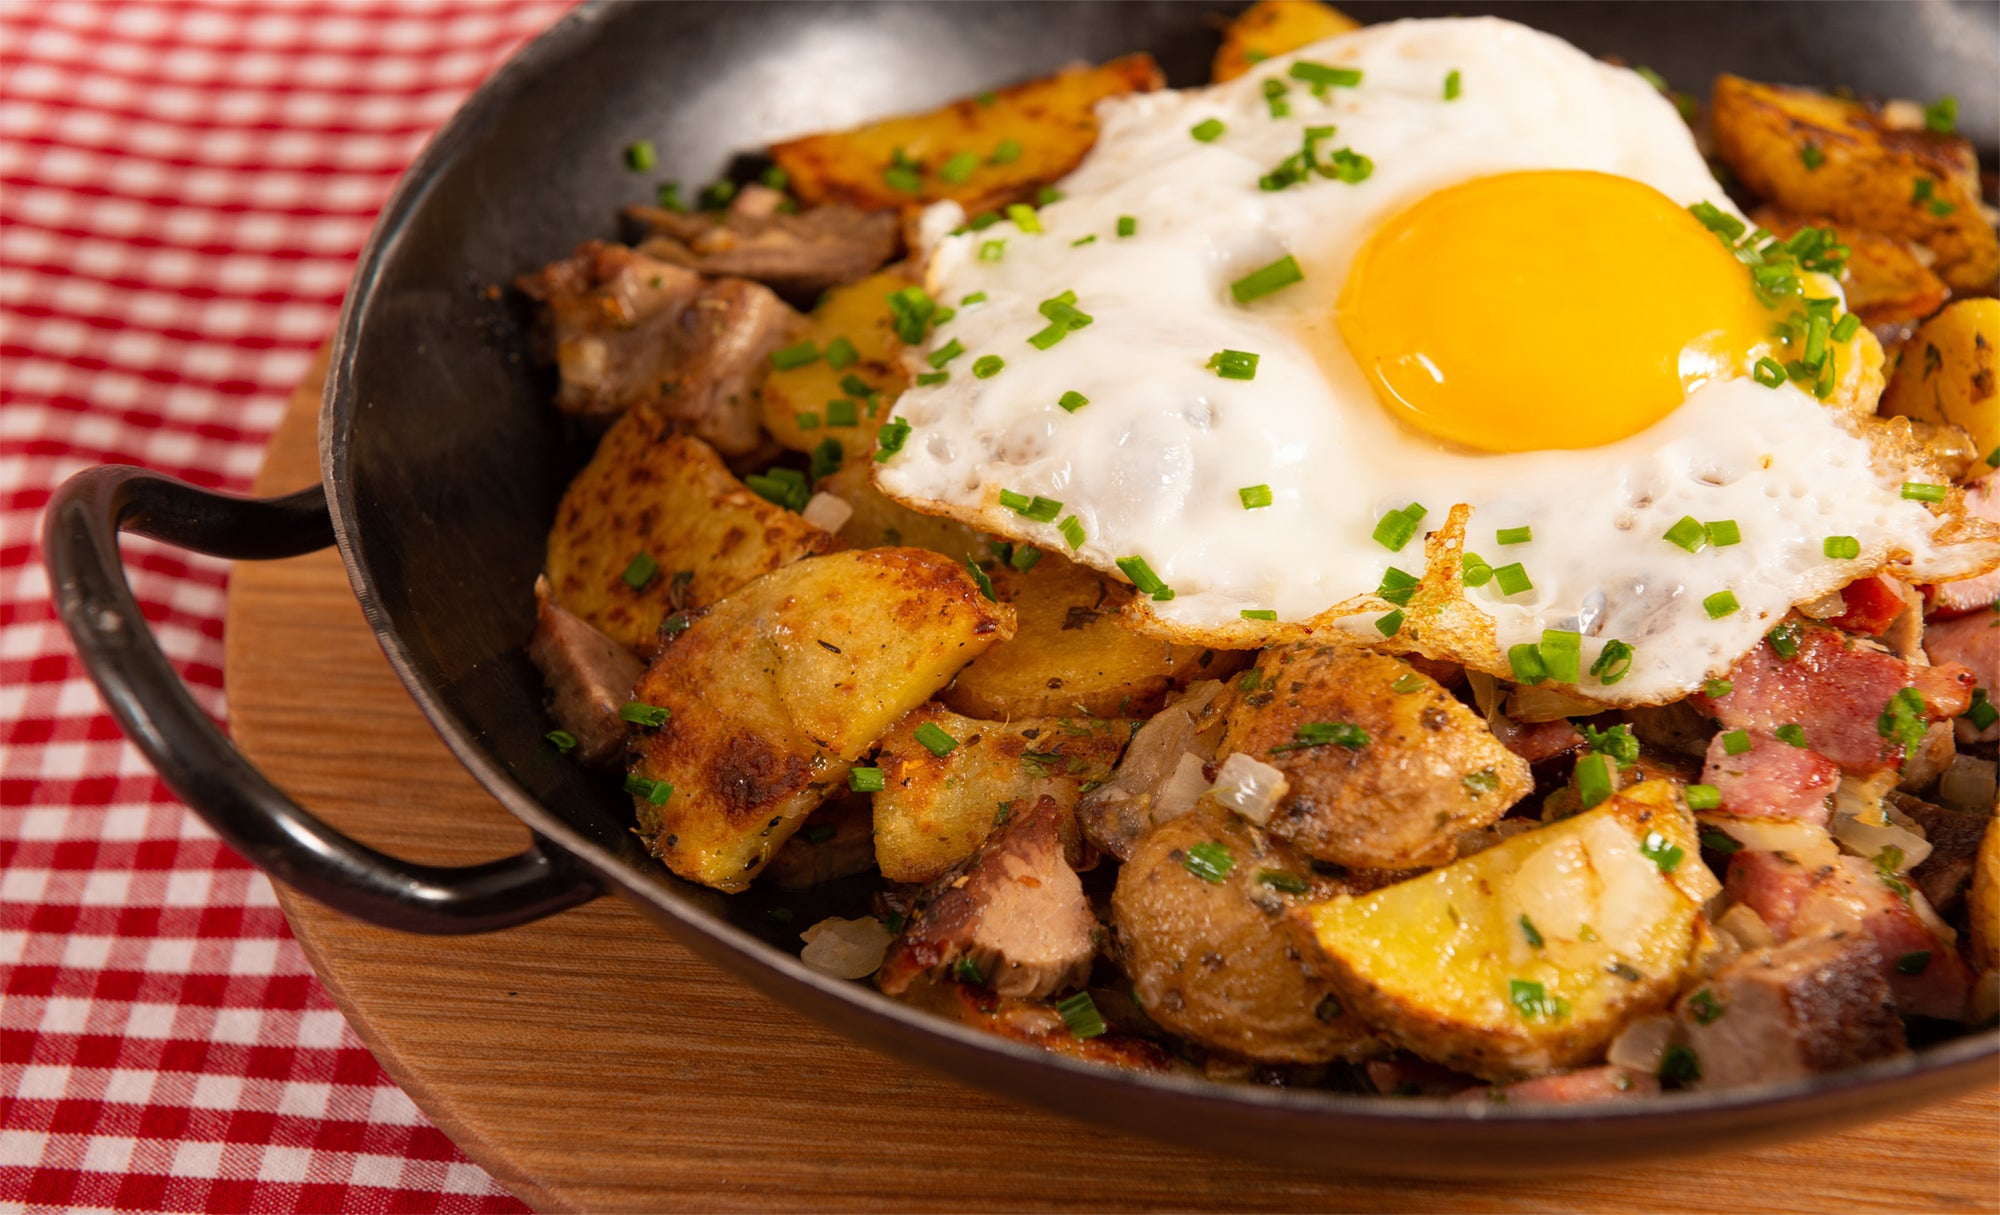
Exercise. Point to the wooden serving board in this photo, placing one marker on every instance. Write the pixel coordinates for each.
(591, 1064)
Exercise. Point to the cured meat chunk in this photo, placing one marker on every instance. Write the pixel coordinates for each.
(1815, 1004)
(798, 254)
(589, 677)
(1773, 779)
(1974, 643)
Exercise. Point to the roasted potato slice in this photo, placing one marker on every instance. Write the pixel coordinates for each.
(1073, 653)
(1275, 27)
(796, 400)
(781, 686)
(1199, 912)
(1887, 284)
(1983, 900)
(882, 522)
(1423, 768)
(1860, 172)
(651, 493)
(1948, 373)
(937, 809)
(1533, 954)
(1013, 140)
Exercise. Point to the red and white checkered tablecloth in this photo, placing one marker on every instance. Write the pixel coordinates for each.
(184, 187)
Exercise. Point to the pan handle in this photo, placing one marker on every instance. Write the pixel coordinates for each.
(80, 544)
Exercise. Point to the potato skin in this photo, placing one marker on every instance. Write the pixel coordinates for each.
(1866, 177)
(649, 490)
(778, 689)
(937, 810)
(1074, 654)
(1275, 27)
(1400, 800)
(1217, 962)
(1948, 373)
(859, 312)
(1052, 119)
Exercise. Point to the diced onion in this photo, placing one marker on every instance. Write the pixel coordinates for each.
(1640, 1047)
(1534, 705)
(827, 512)
(1746, 928)
(1179, 792)
(1868, 839)
(1862, 799)
(1250, 787)
(1811, 845)
(845, 949)
(1826, 607)
(1970, 784)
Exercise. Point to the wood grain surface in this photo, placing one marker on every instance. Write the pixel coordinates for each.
(592, 1064)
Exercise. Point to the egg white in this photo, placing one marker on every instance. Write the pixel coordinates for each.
(1152, 465)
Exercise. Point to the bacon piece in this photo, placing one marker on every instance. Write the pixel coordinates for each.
(1835, 690)
(1772, 779)
(1872, 606)
(1535, 743)
(1925, 974)
(1974, 643)
(1968, 595)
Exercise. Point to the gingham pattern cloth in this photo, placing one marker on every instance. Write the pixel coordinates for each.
(184, 187)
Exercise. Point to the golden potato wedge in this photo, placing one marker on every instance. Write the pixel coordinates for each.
(937, 809)
(1948, 373)
(1983, 900)
(795, 399)
(1533, 954)
(667, 497)
(780, 686)
(882, 522)
(1074, 654)
(1887, 285)
(1016, 139)
(1275, 27)
(1813, 154)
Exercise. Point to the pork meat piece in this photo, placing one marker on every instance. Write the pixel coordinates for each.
(1015, 912)
(1974, 595)
(1835, 690)
(797, 255)
(589, 677)
(1954, 838)
(1972, 642)
(1773, 779)
(1815, 1004)
(628, 328)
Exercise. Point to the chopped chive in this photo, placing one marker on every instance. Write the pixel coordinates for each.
(1941, 116)
(1717, 841)
(798, 354)
(806, 420)
(1723, 532)
(958, 168)
(639, 713)
(1038, 508)
(827, 458)
(1451, 85)
(1025, 557)
(1914, 963)
(1254, 497)
(1090, 239)
(1791, 733)
(1047, 195)
(1716, 688)
(906, 181)
(1845, 328)
(1983, 712)
(1006, 152)
(1209, 861)
(1703, 797)
(1529, 931)
(841, 354)
(926, 379)
(945, 354)
(1143, 577)
(1127, 225)
(1515, 535)
(1398, 586)
(1811, 157)
(1321, 76)
(966, 970)
(1562, 655)
(655, 791)
(1274, 97)
(1993, 458)
(1277, 879)
(1259, 614)
(1613, 663)
(1024, 218)
(980, 579)
(854, 385)
(1261, 282)
(1656, 849)
(1688, 534)
(639, 571)
(1208, 130)
(1072, 401)
(1720, 604)
(1678, 1065)
(993, 250)
(1769, 372)
(1389, 623)
(1072, 532)
(842, 412)
(1080, 1015)
(982, 221)
(889, 438)
(932, 738)
(1512, 579)
(674, 625)
(1234, 364)
(1322, 733)
(1785, 639)
(669, 197)
(1736, 742)
(1532, 1001)
(1394, 530)
(1406, 683)
(1841, 548)
(1705, 1007)
(987, 366)
(977, 297)
(1473, 570)
(640, 156)
(562, 740)
(1527, 664)
(1922, 491)
(775, 177)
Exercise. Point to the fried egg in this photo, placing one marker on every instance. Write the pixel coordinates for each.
(1496, 297)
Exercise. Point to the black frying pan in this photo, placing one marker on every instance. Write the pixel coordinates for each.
(443, 461)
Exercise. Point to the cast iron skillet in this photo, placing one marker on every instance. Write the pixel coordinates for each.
(443, 461)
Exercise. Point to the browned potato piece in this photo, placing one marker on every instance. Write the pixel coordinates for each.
(858, 312)
(1948, 373)
(1210, 954)
(1048, 123)
(781, 685)
(1888, 286)
(1428, 769)
(1983, 900)
(881, 522)
(1866, 173)
(649, 491)
(1073, 654)
(1275, 27)
(938, 809)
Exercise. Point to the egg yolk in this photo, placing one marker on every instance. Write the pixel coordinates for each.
(1548, 309)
